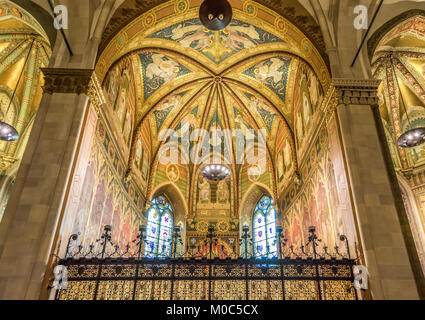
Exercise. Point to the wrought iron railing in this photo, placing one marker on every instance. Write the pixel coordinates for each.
(104, 271)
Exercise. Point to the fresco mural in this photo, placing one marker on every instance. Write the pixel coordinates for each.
(259, 73)
(158, 69)
(237, 36)
(102, 196)
(284, 159)
(120, 91)
(322, 199)
(308, 98)
(273, 73)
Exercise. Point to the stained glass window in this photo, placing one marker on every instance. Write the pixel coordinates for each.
(159, 229)
(264, 229)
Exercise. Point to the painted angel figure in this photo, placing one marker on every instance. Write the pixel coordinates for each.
(267, 70)
(162, 67)
(240, 37)
(194, 36)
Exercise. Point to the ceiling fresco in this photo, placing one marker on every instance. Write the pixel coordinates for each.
(290, 9)
(244, 77)
(402, 47)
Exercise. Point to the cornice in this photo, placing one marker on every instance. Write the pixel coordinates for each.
(356, 91)
(58, 80)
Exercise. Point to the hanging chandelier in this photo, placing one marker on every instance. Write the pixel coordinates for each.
(8, 132)
(215, 14)
(215, 172)
(412, 137)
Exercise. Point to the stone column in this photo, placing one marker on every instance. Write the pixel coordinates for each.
(34, 212)
(384, 233)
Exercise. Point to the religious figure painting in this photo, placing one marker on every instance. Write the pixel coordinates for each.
(163, 110)
(173, 173)
(273, 73)
(127, 126)
(266, 113)
(138, 154)
(159, 69)
(112, 84)
(145, 166)
(219, 45)
(204, 191)
(121, 102)
(222, 192)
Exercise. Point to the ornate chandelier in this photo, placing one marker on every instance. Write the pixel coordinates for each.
(215, 14)
(215, 172)
(413, 137)
(7, 132)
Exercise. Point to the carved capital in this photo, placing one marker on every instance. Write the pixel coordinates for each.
(95, 94)
(356, 91)
(6, 162)
(58, 80)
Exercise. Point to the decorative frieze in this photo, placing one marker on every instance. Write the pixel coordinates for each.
(58, 80)
(356, 91)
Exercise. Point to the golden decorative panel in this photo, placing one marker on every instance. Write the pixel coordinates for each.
(202, 279)
(115, 290)
(228, 290)
(301, 290)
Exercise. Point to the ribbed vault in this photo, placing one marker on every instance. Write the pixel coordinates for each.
(259, 73)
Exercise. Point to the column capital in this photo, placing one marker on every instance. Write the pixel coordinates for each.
(58, 80)
(356, 91)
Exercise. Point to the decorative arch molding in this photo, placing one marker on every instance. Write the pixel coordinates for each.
(251, 198)
(290, 9)
(122, 40)
(43, 18)
(379, 34)
(175, 197)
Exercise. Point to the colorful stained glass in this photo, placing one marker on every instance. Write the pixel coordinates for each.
(264, 229)
(159, 229)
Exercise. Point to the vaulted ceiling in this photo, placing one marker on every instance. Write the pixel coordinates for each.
(20, 36)
(402, 49)
(292, 10)
(254, 74)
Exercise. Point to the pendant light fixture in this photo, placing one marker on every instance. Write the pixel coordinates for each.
(215, 172)
(414, 136)
(215, 14)
(8, 132)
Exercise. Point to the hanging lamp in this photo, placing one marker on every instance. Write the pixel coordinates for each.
(215, 14)
(7, 131)
(412, 137)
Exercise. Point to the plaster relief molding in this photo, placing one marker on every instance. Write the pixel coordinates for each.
(74, 81)
(357, 91)
(6, 162)
(95, 93)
